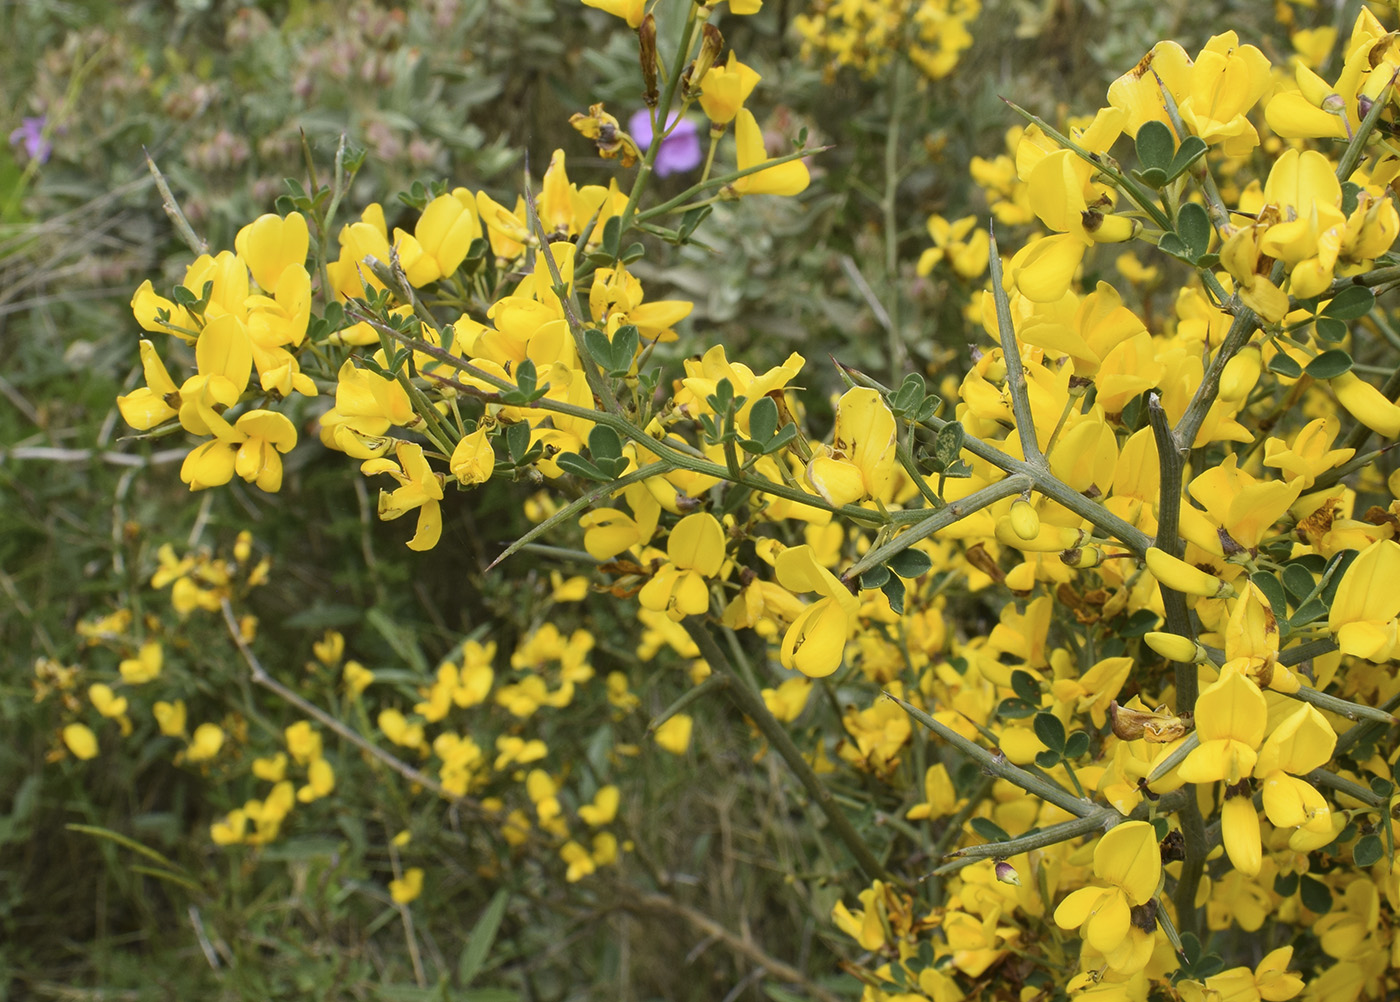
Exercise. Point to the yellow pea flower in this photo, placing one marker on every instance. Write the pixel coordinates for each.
(789, 699)
(789, 178)
(419, 487)
(1242, 505)
(145, 667)
(580, 863)
(724, 89)
(440, 240)
(230, 829)
(1230, 718)
(271, 769)
(473, 460)
(303, 741)
(1364, 610)
(696, 551)
(357, 677)
(861, 459)
(156, 402)
(603, 809)
(270, 244)
(80, 741)
(816, 641)
(407, 888)
(170, 717)
(1128, 859)
(674, 734)
(205, 743)
(320, 781)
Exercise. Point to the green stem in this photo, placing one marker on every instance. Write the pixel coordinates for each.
(1015, 372)
(751, 704)
(998, 765)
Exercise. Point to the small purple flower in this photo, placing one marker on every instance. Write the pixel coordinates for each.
(680, 151)
(31, 134)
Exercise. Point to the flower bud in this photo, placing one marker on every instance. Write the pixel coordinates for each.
(1006, 873)
(1025, 520)
(1175, 647)
(1367, 404)
(1240, 374)
(1109, 229)
(1173, 572)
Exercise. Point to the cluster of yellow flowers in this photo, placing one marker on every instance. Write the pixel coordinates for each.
(1127, 496)
(868, 34)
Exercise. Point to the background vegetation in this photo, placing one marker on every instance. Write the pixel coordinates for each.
(229, 98)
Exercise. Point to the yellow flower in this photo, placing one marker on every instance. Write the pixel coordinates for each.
(407, 888)
(80, 741)
(357, 677)
(816, 641)
(205, 743)
(674, 734)
(473, 460)
(145, 667)
(725, 88)
(303, 741)
(1127, 858)
(1364, 610)
(1230, 718)
(603, 809)
(861, 459)
(696, 551)
(250, 447)
(170, 717)
(785, 179)
(419, 487)
(441, 239)
(270, 244)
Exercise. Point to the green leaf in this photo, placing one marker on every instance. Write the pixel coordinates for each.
(692, 219)
(781, 439)
(1016, 709)
(910, 395)
(1351, 303)
(1329, 364)
(1193, 225)
(604, 443)
(517, 442)
(763, 419)
(1315, 895)
(875, 577)
(1382, 787)
(483, 935)
(1155, 146)
(1175, 246)
(894, 591)
(1192, 149)
(1024, 685)
(1314, 610)
(948, 445)
(599, 347)
(1077, 745)
(1285, 366)
(1047, 759)
(1298, 582)
(1286, 885)
(911, 563)
(572, 462)
(1271, 588)
(1050, 731)
(612, 230)
(989, 830)
(1330, 329)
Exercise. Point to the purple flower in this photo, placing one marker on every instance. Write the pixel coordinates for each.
(680, 151)
(31, 134)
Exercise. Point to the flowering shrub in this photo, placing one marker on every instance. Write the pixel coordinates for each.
(1095, 632)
